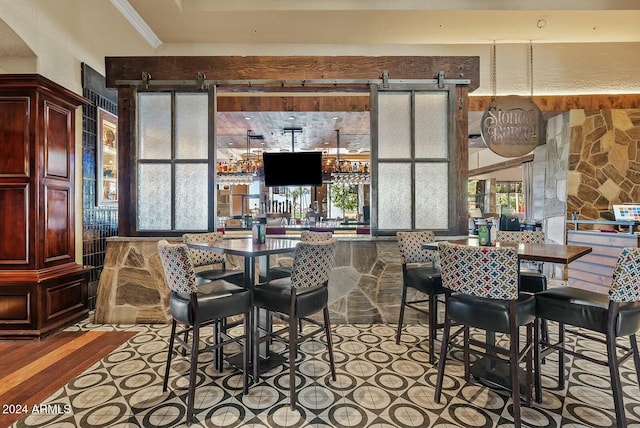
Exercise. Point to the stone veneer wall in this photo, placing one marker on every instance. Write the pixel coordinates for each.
(604, 162)
(365, 284)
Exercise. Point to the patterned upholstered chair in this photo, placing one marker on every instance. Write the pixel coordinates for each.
(297, 297)
(615, 315)
(196, 306)
(483, 284)
(531, 278)
(420, 272)
(305, 236)
(205, 261)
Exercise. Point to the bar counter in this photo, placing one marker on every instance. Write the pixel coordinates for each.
(365, 284)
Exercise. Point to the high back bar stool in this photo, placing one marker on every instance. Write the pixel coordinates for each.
(482, 283)
(205, 261)
(295, 298)
(423, 278)
(305, 236)
(614, 315)
(531, 280)
(198, 306)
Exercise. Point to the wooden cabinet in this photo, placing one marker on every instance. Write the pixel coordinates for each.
(41, 286)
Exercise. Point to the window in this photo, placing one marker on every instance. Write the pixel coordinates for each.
(509, 197)
(477, 194)
(173, 166)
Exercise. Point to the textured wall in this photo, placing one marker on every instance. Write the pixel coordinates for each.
(604, 161)
(365, 284)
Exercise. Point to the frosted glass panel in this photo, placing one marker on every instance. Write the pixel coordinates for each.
(154, 197)
(432, 128)
(192, 136)
(394, 196)
(394, 125)
(191, 200)
(154, 112)
(432, 196)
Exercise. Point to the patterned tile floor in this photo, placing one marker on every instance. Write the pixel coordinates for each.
(379, 384)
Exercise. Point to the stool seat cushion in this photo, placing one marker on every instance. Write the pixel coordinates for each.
(216, 299)
(233, 276)
(279, 272)
(425, 279)
(532, 281)
(276, 296)
(587, 309)
(490, 314)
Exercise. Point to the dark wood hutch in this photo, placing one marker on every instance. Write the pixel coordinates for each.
(42, 288)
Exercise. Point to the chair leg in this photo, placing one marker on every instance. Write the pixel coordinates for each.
(529, 364)
(401, 316)
(433, 326)
(245, 352)
(561, 356)
(515, 381)
(465, 353)
(327, 329)
(616, 387)
(636, 355)
(255, 358)
(217, 354)
(192, 372)
(293, 347)
(537, 380)
(186, 340)
(443, 356)
(170, 354)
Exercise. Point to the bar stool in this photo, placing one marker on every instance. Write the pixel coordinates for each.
(425, 279)
(482, 284)
(205, 260)
(531, 280)
(295, 298)
(198, 306)
(305, 236)
(615, 315)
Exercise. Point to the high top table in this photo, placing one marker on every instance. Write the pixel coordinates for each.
(250, 251)
(553, 253)
(485, 369)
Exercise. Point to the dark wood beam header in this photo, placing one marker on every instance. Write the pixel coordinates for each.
(309, 104)
(560, 103)
(292, 67)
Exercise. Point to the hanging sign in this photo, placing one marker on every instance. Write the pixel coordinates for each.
(512, 126)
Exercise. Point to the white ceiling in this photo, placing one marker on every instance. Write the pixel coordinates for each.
(373, 22)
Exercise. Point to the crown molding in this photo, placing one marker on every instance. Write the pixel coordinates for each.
(137, 22)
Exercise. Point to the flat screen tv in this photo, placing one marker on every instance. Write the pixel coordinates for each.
(292, 169)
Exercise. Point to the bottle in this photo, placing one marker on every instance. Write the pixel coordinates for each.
(483, 235)
(493, 234)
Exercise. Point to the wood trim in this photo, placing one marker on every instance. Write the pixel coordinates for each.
(349, 103)
(292, 67)
(559, 103)
(501, 165)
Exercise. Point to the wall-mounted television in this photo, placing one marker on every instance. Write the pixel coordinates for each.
(292, 169)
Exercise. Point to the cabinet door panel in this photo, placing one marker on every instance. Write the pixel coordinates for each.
(14, 205)
(58, 140)
(14, 128)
